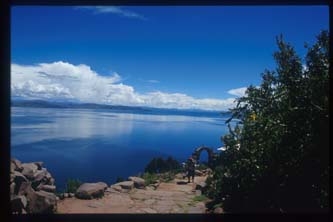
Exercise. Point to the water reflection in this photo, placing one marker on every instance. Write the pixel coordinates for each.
(65, 124)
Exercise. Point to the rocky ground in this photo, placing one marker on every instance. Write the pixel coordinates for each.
(176, 196)
(33, 191)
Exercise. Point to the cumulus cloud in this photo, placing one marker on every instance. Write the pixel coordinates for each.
(239, 92)
(112, 9)
(65, 81)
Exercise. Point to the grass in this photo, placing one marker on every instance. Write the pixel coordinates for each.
(200, 198)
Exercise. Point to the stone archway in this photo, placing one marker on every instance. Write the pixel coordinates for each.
(210, 152)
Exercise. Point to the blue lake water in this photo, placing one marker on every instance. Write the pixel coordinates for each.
(99, 145)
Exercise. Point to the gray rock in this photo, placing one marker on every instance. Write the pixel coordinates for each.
(116, 188)
(91, 190)
(198, 173)
(218, 210)
(138, 182)
(39, 165)
(39, 178)
(200, 186)
(47, 188)
(18, 203)
(42, 202)
(12, 177)
(25, 188)
(71, 195)
(18, 180)
(40, 174)
(51, 181)
(12, 188)
(127, 185)
(66, 195)
(29, 170)
(17, 165)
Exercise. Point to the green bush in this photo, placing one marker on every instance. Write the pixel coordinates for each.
(150, 178)
(159, 165)
(72, 185)
(282, 162)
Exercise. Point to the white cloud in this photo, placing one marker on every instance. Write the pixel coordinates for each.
(153, 81)
(239, 92)
(113, 10)
(62, 80)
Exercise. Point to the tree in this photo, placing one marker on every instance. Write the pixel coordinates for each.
(277, 155)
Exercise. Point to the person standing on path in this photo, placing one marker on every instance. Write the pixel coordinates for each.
(190, 167)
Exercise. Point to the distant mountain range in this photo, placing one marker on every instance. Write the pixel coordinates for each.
(116, 108)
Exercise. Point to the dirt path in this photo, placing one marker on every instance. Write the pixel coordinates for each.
(173, 197)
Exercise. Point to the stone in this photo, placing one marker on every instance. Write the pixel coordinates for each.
(18, 203)
(39, 178)
(66, 195)
(12, 177)
(138, 182)
(218, 210)
(198, 173)
(200, 186)
(25, 188)
(39, 165)
(29, 170)
(47, 188)
(40, 174)
(42, 202)
(116, 188)
(19, 178)
(12, 188)
(51, 181)
(17, 165)
(91, 190)
(71, 195)
(127, 185)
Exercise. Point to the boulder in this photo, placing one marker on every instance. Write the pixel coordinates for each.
(47, 188)
(127, 185)
(91, 190)
(39, 178)
(138, 182)
(29, 170)
(51, 181)
(12, 188)
(198, 173)
(25, 189)
(200, 186)
(42, 202)
(66, 195)
(39, 165)
(16, 164)
(71, 195)
(218, 210)
(18, 203)
(116, 188)
(19, 178)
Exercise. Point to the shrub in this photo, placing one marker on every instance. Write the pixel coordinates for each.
(72, 185)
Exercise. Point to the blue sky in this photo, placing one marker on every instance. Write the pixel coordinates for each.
(197, 57)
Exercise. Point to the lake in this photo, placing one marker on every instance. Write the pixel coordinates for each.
(98, 145)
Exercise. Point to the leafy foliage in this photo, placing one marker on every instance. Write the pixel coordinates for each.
(277, 155)
(72, 185)
(159, 165)
(150, 178)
